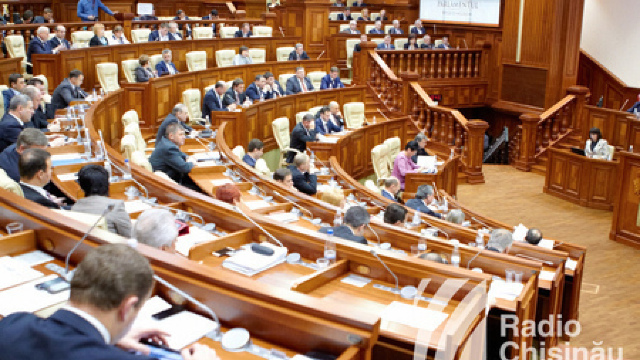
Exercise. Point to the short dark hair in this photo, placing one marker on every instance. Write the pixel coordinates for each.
(356, 216)
(254, 144)
(237, 82)
(35, 81)
(109, 274)
(31, 137)
(394, 213)
(94, 180)
(596, 131)
(533, 236)
(268, 74)
(164, 25)
(259, 76)
(214, 12)
(28, 14)
(75, 74)
(243, 48)
(412, 145)
(324, 109)
(180, 11)
(219, 84)
(32, 161)
(172, 128)
(280, 174)
(307, 117)
(13, 78)
(48, 11)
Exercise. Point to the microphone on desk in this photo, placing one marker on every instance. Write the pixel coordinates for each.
(313, 154)
(319, 56)
(237, 208)
(407, 292)
(625, 103)
(387, 246)
(263, 195)
(436, 228)
(182, 215)
(374, 253)
(383, 115)
(465, 43)
(68, 275)
(481, 223)
(534, 259)
(212, 145)
(435, 191)
(480, 248)
(281, 32)
(313, 221)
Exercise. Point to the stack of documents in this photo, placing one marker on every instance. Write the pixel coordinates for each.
(250, 263)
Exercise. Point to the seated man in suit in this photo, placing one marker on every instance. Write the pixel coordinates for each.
(346, 15)
(59, 39)
(162, 34)
(94, 182)
(402, 164)
(27, 17)
(396, 30)
(424, 197)
(418, 29)
(331, 80)
(534, 236)
(236, 95)
(336, 115)
(117, 38)
(39, 118)
(69, 90)
(391, 188)
(13, 122)
(212, 16)
(35, 173)
(445, 44)
(298, 53)
(301, 134)
(213, 100)
(168, 158)
(9, 158)
(421, 139)
(500, 241)
(383, 15)
(180, 115)
(46, 18)
(395, 214)
(427, 43)
(356, 47)
(156, 228)
(166, 66)
(356, 220)
(377, 28)
(338, 3)
(40, 44)
(365, 15)
(109, 287)
(16, 84)
(181, 15)
(255, 149)
(274, 85)
(324, 125)
(259, 90)
(245, 31)
(386, 44)
(175, 31)
(302, 180)
(243, 57)
(353, 28)
(299, 83)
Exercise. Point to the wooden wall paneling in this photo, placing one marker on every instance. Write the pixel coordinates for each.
(524, 85)
(602, 83)
(318, 17)
(182, 83)
(287, 108)
(162, 91)
(601, 185)
(9, 66)
(358, 154)
(633, 137)
(625, 227)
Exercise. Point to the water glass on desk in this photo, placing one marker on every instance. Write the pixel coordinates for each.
(14, 228)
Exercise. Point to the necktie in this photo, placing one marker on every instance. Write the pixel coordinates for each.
(121, 41)
(260, 93)
(237, 99)
(304, 87)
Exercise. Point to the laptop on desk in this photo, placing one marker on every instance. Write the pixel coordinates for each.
(578, 151)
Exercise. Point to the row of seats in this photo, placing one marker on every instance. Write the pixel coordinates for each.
(354, 14)
(204, 32)
(398, 43)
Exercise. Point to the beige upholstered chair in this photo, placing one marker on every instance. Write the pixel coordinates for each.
(227, 32)
(196, 60)
(85, 218)
(262, 168)
(356, 15)
(437, 43)
(139, 36)
(108, 76)
(203, 32)
(368, 28)
(81, 38)
(108, 34)
(140, 159)
(207, 88)
(387, 28)
(128, 145)
(129, 69)
(374, 16)
(343, 27)
(351, 43)
(2, 88)
(45, 83)
(301, 114)
(16, 49)
(282, 135)
(420, 41)
(283, 80)
(612, 151)
(282, 53)
(262, 31)
(334, 15)
(378, 41)
(8, 184)
(316, 78)
(393, 146)
(354, 114)
(238, 151)
(133, 129)
(369, 184)
(258, 56)
(411, 27)
(380, 162)
(154, 60)
(193, 100)
(130, 117)
(224, 58)
(399, 43)
(164, 176)
(314, 110)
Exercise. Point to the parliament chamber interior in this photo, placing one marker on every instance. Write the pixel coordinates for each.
(317, 179)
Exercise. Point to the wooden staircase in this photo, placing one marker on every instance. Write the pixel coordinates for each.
(571, 140)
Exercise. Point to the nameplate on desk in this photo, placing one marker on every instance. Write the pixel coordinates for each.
(427, 162)
(220, 182)
(328, 139)
(546, 243)
(284, 217)
(68, 177)
(35, 257)
(256, 204)
(413, 316)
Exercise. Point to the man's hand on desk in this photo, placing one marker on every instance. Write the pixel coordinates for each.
(54, 126)
(199, 352)
(131, 341)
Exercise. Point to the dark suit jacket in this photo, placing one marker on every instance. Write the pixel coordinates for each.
(293, 85)
(38, 120)
(395, 31)
(142, 75)
(294, 56)
(7, 94)
(381, 47)
(306, 183)
(64, 94)
(38, 20)
(168, 158)
(443, 46)
(63, 335)
(212, 102)
(96, 41)
(417, 204)
(278, 87)
(348, 31)
(420, 31)
(180, 26)
(162, 68)
(421, 152)
(357, 48)
(168, 120)
(331, 127)
(379, 18)
(339, 120)
(35, 196)
(253, 94)
(344, 232)
(298, 140)
(406, 46)
(362, 18)
(343, 18)
(37, 46)
(9, 162)
(249, 160)
(327, 80)
(376, 31)
(388, 195)
(631, 109)
(155, 36)
(240, 34)
(426, 46)
(55, 42)
(10, 128)
(230, 98)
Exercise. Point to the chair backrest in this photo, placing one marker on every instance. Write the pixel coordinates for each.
(262, 31)
(108, 76)
(437, 43)
(379, 161)
(108, 34)
(411, 27)
(368, 28)
(399, 43)
(134, 129)
(85, 218)
(316, 78)
(224, 58)
(281, 133)
(350, 45)
(130, 117)
(7, 183)
(207, 88)
(387, 28)
(258, 56)
(301, 114)
(393, 147)
(202, 32)
(191, 98)
(140, 35)
(15, 46)
(228, 31)
(334, 15)
(262, 168)
(612, 150)
(283, 79)
(154, 60)
(420, 41)
(196, 60)
(343, 27)
(45, 82)
(354, 114)
(356, 14)
(314, 110)
(163, 176)
(129, 69)
(282, 53)
(238, 151)
(128, 145)
(369, 184)
(374, 16)
(140, 159)
(81, 38)
(378, 41)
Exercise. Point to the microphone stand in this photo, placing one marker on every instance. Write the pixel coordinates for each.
(481, 223)
(237, 208)
(373, 252)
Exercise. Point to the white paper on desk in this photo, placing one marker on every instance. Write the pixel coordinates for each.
(571, 264)
(286, 217)
(250, 263)
(519, 232)
(256, 204)
(427, 162)
(195, 236)
(500, 289)
(414, 316)
(356, 280)
(135, 206)
(34, 258)
(208, 163)
(547, 275)
(59, 157)
(546, 243)
(220, 182)
(68, 177)
(14, 272)
(27, 298)
(328, 139)
(210, 155)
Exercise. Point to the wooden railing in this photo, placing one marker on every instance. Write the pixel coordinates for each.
(437, 64)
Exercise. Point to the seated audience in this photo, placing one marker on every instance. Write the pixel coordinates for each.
(236, 95)
(331, 80)
(395, 214)
(181, 15)
(117, 38)
(421, 139)
(364, 15)
(391, 188)
(424, 197)
(533, 237)
(500, 241)
(213, 100)
(166, 66)
(87, 10)
(445, 44)
(299, 83)
(174, 31)
(39, 119)
(298, 53)
(27, 18)
(168, 158)
(402, 164)
(346, 16)
(300, 135)
(377, 28)
(59, 39)
(338, 3)
(356, 219)
(144, 72)
(69, 90)
(40, 44)
(98, 38)
(386, 44)
(243, 57)
(360, 3)
(283, 176)
(9, 158)
(412, 43)
(228, 193)
(259, 90)
(336, 115)
(383, 15)
(334, 196)
(324, 125)
(418, 29)
(255, 149)
(245, 31)
(179, 115)
(16, 84)
(94, 182)
(46, 18)
(435, 257)
(162, 34)
(357, 47)
(396, 30)
(156, 228)
(302, 179)
(13, 121)
(596, 147)
(35, 173)
(274, 85)
(455, 216)
(352, 29)
(427, 43)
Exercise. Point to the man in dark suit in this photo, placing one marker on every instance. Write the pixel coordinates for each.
(418, 29)
(301, 134)
(298, 53)
(168, 158)
(421, 139)
(396, 30)
(109, 287)
(16, 84)
(245, 31)
(255, 149)
(356, 220)
(353, 28)
(235, 95)
(9, 158)
(274, 85)
(13, 122)
(298, 83)
(391, 188)
(213, 100)
(179, 115)
(377, 28)
(39, 118)
(69, 90)
(359, 3)
(41, 45)
(166, 66)
(302, 180)
(445, 44)
(323, 122)
(427, 43)
(212, 16)
(424, 197)
(635, 107)
(395, 214)
(180, 15)
(47, 17)
(161, 34)
(27, 18)
(386, 44)
(259, 90)
(356, 47)
(35, 173)
(331, 80)
(59, 39)
(346, 15)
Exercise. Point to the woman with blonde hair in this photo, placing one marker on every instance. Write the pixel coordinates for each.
(98, 38)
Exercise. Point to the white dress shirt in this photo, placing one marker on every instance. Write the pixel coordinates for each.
(91, 320)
